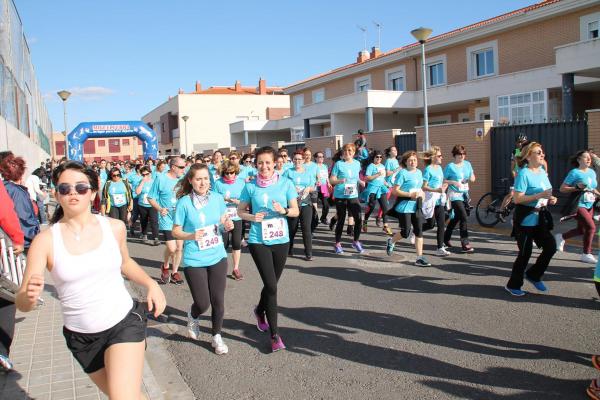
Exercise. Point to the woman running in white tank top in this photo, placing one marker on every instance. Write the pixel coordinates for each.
(86, 255)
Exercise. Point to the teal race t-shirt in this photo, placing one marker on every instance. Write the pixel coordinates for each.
(409, 181)
(528, 183)
(163, 192)
(350, 172)
(588, 178)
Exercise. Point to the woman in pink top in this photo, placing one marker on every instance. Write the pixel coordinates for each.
(86, 255)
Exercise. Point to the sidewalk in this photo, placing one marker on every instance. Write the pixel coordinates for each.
(43, 366)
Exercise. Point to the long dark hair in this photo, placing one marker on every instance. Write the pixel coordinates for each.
(185, 186)
(76, 166)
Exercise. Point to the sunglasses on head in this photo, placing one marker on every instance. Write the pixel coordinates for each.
(81, 188)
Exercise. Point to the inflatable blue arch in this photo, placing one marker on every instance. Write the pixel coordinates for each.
(109, 129)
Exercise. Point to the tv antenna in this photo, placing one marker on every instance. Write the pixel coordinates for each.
(364, 32)
(379, 26)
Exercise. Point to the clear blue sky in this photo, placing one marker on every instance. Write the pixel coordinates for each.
(122, 58)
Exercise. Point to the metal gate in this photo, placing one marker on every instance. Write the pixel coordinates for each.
(405, 141)
(560, 141)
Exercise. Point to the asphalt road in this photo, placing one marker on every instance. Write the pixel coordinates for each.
(373, 326)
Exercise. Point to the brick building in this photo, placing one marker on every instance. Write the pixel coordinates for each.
(110, 149)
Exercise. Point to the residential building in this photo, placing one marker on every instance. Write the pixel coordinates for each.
(534, 64)
(209, 113)
(25, 127)
(109, 149)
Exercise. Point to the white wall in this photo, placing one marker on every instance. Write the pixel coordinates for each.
(14, 140)
(347, 125)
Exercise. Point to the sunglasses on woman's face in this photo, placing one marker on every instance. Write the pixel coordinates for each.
(116, 175)
(66, 188)
(146, 174)
(233, 158)
(378, 157)
(229, 172)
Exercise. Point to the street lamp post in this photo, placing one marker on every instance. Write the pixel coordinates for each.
(64, 95)
(185, 119)
(421, 34)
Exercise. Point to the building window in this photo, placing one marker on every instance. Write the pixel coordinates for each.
(114, 145)
(89, 146)
(362, 84)
(483, 63)
(436, 74)
(396, 81)
(60, 147)
(318, 95)
(588, 26)
(482, 60)
(298, 104)
(593, 29)
(101, 143)
(125, 142)
(522, 108)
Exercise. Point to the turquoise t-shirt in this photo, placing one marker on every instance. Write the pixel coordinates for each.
(588, 178)
(434, 176)
(322, 173)
(103, 176)
(311, 167)
(246, 172)
(163, 192)
(134, 180)
(376, 186)
(143, 196)
(408, 181)
(461, 174)
(391, 164)
(210, 249)
(528, 183)
(231, 191)
(213, 174)
(275, 229)
(349, 171)
(301, 181)
(117, 193)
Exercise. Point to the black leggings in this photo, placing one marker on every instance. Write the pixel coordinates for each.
(353, 206)
(383, 206)
(7, 325)
(439, 216)
(207, 285)
(525, 240)
(305, 219)
(118, 213)
(234, 236)
(325, 203)
(270, 261)
(149, 214)
(460, 215)
(410, 223)
(135, 213)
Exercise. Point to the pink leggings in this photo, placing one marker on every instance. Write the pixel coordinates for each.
(585, 227)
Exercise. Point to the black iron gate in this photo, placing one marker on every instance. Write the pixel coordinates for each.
(559, 139)
(405, 141)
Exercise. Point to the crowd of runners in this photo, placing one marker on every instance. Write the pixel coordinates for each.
(199, 206)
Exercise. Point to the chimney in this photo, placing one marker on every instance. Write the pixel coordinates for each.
(375, 52)
(363, 56)
(262, 86)
(181, 91)
(238, 86)
(198, 87)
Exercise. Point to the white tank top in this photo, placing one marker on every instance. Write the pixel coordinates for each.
(90, 287)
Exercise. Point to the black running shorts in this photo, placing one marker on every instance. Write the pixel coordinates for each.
(88, 348)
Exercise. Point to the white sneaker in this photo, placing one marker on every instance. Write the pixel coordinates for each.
(411, 238)
(218, 344)
(560, 242)
(193, 326)
(442, 252)
(588, 258)
(597, 218)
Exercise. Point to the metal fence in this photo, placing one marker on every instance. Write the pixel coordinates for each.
(560, 141)
(405, 141)
(11, 268)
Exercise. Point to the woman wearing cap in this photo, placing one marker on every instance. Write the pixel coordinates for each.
(200, 217)
(581, 179)
(304, 182)
(458, 174)
(230, 187)
(271, 199)
(376, 190)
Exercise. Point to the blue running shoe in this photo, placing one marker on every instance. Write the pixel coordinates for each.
(5, 363)
(540, 286)
(389, 248)
(515, 292)
(338, 248)
(358, 247)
